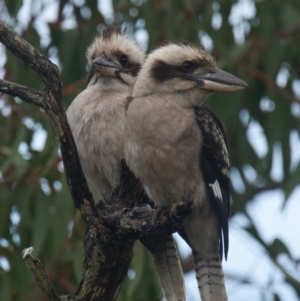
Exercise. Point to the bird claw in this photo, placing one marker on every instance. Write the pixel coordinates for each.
(180, 210)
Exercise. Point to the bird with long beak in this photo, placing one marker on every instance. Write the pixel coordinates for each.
(178, 148)
(97, 120)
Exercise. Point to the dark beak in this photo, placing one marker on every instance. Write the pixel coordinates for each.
(219, 81)
(103, 61)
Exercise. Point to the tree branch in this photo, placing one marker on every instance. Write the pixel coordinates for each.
(272, 84)
(32, 96)
(51, 102)
(108, 255)
(29, 55)
(40, 275)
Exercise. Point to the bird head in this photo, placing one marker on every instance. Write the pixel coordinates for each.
(184, 67)
(114, 55)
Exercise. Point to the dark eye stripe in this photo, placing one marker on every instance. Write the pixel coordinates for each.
(163, 72)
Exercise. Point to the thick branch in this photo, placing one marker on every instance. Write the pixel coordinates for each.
(108, 255)
(138, 222)
(27, 94)
(30, 56)
(105, 267)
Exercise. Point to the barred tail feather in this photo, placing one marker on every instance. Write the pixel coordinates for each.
(210, 278)
(168, 269)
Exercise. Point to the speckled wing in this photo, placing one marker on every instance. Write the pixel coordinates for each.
(215, 167)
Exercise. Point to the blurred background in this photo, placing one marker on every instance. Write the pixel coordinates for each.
(256, 40)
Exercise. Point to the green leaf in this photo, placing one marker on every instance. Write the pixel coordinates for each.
(78, 261)
(63, 209)
(40, 221)
(5, 208)
(5, 288)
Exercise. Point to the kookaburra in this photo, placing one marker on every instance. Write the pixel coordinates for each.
(178, 148)
(97, 120)
(97, 115)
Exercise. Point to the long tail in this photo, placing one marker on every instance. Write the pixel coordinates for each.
(210, 278)
(168, 267)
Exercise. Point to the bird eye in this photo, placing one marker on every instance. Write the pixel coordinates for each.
(187, 67)
(123, 60)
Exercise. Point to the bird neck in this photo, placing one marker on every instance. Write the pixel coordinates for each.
(110, 84)
(191, 98)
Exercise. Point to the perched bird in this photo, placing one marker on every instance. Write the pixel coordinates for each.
(97, 120)
(178, 148)
(97, 115)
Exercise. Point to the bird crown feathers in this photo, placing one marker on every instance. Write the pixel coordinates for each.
(112, 41)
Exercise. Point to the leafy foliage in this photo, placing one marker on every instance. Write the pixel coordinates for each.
(255, 40)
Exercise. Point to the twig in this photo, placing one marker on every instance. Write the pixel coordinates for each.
(27, 94)
(272, 84)
(40, 275)
(291, 33)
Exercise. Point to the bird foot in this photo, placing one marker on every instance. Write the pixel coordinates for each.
(180, 210)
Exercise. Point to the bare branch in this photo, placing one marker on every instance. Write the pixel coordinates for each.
(290, 33)
(104, 269)
(108, 255)
(40, 275)
(24, 93)
(254, 44)
(272, 84)
(30, 56)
